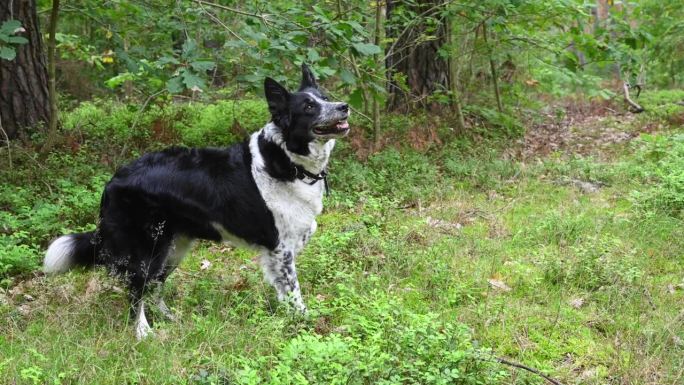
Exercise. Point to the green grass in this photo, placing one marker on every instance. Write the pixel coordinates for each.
(423, 264)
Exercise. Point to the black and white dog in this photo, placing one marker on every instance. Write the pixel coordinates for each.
(265, 193)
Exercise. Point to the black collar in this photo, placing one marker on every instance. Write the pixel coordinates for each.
(302, 174)
(279, 166)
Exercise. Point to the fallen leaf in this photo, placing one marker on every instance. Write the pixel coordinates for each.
(205, 264)
(440, 224)
(93, 287)
(24, 310)
(500, 285)
(577, 302)
(678, 341)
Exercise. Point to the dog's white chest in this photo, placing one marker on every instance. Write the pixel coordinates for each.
(294, 205)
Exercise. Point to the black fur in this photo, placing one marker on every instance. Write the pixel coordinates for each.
(190, 193)
(178, 191)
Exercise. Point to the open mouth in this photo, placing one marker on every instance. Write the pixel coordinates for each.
(338, 127)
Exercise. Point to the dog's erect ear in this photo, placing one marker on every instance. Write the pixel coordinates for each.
(277, 96)
(308, 78)
(278, 99)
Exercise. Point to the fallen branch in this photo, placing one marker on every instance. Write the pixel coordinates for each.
(7, 141)
(635, 107)
(490, 357)
(529, 369)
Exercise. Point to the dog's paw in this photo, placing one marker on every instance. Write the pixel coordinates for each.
(142, 331)
(166, 312)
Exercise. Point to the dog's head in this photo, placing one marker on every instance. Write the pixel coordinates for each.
(305, 115)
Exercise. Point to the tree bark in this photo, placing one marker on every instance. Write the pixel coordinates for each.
(52, 47)
(453, 81)
(376, 104)
(417, 61)
(492, 66)
(24, 97)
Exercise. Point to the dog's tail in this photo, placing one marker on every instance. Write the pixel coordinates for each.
(69, 251)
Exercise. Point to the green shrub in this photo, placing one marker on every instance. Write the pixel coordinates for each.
(215, 124)
(661, 161)
(384, 343)
(390, 173)
(598, 262)
(193, 124)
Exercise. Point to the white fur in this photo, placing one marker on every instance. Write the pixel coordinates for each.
(59, 257)
(142, 327)
(179, 249)
(232, 240)
(296, 204)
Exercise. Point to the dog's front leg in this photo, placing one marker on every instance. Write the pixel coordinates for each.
(280, 272)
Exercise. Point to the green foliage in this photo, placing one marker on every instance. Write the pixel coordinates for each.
(9, 39)
(193, 124)
(598, 262)
(662, 169)
(30, 220)
(396, 175)
(398, 277)
(383, 344)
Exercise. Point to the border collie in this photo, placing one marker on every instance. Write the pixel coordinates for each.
(264, 193)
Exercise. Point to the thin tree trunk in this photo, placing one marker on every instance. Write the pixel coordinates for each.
(376, 103)
(54, 112)
(492, 65)
(24, 96)
(453, 81)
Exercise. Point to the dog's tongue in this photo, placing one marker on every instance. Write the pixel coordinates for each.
(342, 125)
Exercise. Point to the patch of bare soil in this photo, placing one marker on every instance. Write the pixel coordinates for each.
(582, 130)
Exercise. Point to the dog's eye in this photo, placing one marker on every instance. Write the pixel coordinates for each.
(325, 98)
(308, 107)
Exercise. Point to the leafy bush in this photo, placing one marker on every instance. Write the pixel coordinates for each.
(485, 171)
(601, 261)
(192, 124)
(390, 173)
(384, 343)
(662, 167)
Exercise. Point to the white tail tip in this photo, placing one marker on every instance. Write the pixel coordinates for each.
(59, 257)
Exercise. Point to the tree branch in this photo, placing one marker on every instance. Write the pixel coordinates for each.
(635, 107)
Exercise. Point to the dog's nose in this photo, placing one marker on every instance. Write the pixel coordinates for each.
(344, 107)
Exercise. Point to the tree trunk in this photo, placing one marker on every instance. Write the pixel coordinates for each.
(24, 98)
(418, 62)
(492, 66)
(52, 89)
(453, 81)
(376, 104)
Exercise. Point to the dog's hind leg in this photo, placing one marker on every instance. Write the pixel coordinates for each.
(159, 302)
(280, 272)
(142, 327)
(180, 246)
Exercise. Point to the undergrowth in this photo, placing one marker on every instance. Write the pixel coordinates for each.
(426, 262)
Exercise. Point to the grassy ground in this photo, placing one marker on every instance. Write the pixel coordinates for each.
(422, 263)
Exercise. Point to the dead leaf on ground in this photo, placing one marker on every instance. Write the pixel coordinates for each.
(499, 285)
(93, 287)
(441, 224)
(24, 310)
(205, 264)
(577, 302)
(671, 288)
